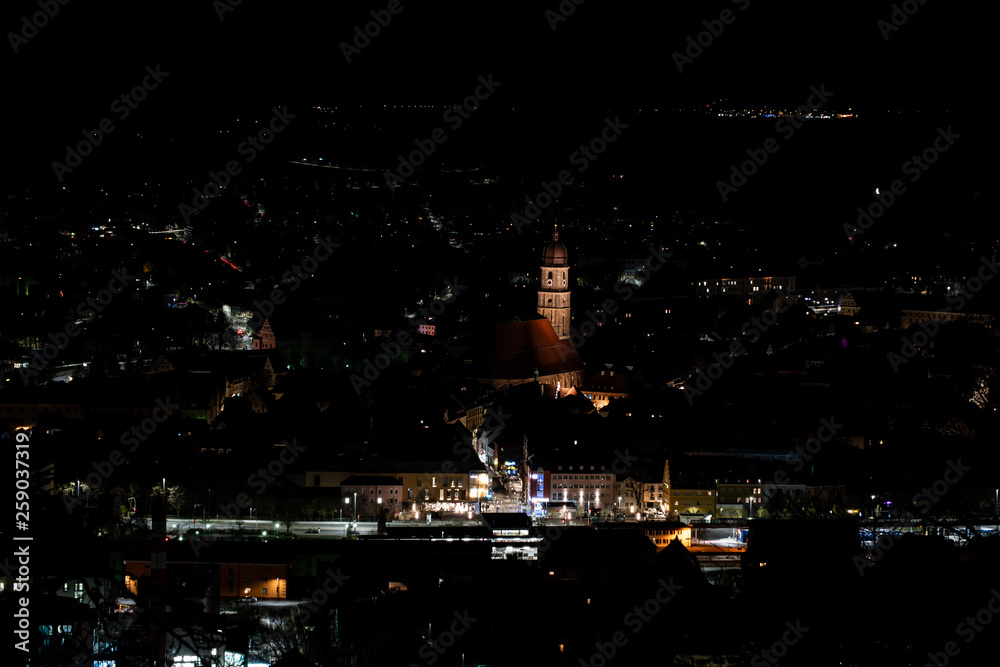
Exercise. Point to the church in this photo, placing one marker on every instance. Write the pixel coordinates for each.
(539, 349)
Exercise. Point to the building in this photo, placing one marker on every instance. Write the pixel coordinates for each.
(738, 500)
(945, 315)
(422, 485)
(265, 339)
(651, 500)
(660, 533)
(302, 339)
(446, 491)
(849, 306)
(751, 290)
(539, 350)
(530, 351)
(690, 501)
(590, 486)
(372, 493)
(553, 292)
(235, 580)
(601, 388)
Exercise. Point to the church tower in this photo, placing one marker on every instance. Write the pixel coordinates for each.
(553, 291)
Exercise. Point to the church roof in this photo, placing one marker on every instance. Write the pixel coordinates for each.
(522, 347)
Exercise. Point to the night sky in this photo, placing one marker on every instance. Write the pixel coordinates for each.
(603, 54)
(604, 57)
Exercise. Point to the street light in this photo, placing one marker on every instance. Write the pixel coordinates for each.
(346, 500)
(251, 516)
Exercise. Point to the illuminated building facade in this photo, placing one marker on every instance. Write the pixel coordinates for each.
(752, 290)
(267, 581)
(554, 292)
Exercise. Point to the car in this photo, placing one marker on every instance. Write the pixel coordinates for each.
(245, 600)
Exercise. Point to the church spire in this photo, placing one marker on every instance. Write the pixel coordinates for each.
(553, 290)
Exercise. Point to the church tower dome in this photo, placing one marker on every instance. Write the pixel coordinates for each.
(553, 290)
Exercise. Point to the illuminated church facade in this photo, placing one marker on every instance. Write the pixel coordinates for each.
(540, 349)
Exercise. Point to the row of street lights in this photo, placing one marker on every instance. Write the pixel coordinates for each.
(347, 502)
